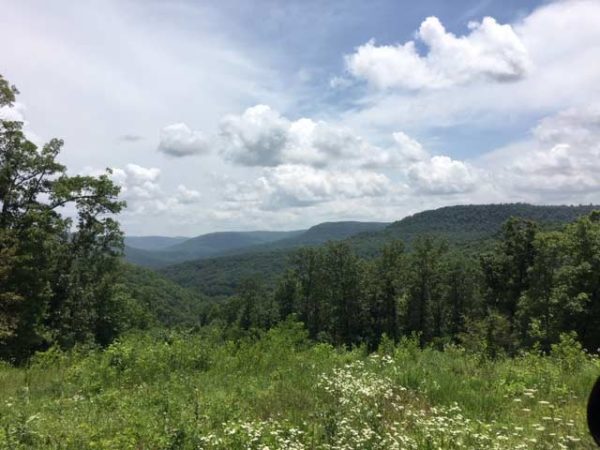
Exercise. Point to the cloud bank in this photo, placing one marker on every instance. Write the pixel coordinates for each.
(490, 51)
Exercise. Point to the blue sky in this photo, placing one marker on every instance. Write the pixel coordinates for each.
(279, 115)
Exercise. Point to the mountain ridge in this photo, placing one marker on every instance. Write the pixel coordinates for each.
(460, 225)
(233, 242)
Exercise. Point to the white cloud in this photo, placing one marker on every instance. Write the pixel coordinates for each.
(179, 140)
(490, 51)
(141, 188)
(187, 196)
(408, 149)
(263, 137)
(338, 82)
(441, 175)
(293, 186)
(12, 113)
(561, 160)
(563, 44)
(256, 138)
(138, 183)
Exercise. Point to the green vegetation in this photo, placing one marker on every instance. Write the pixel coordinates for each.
(57, 274)
(530, 287)
(277, 390)
(222, 276)
(469, 228)
(158, 300)
(462, 327)
(152, 242)
(144, 251)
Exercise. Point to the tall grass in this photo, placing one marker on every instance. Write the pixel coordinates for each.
(169, 390)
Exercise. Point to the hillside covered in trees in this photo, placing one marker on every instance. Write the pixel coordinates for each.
(144, 251)
(467, 228)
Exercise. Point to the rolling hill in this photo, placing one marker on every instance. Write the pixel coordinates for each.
(153, 242)
(466, 224)
(203, 246)
(460, 225)
(163, 301)
(233, 243)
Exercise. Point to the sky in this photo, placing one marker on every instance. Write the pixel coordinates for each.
(238, 115)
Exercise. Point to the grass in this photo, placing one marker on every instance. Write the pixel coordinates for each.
(169, 390)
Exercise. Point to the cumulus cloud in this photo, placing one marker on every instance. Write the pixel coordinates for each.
(263, 137)
(179, 140)
(408, 149)
(255, 138)
(141, 188)
(292, 186)
(561, 159)
(432, 175)
(187, 196)
(490, 51)
(442, 175)
(137, 182)
(559, 37)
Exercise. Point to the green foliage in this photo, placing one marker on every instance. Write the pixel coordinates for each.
(159, 301)
(56, 273)
(169, 389)
(222, 276)
(521, 292)
(151, 251)
(467, 228)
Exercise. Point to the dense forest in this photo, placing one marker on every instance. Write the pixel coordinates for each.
(387, 327)
(468, 228)
(526, 290)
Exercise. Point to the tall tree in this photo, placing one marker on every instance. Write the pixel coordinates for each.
(386, 281)
(53, 266)
(343, 293)
(308, 266)
(425, 308)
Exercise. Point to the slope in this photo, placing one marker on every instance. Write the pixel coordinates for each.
(159, 298)
(153, 242)
(459, 225)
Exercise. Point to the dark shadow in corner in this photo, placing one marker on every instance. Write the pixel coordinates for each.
(593, 412)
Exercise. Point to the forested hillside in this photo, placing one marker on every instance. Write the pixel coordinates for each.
(152, 242)
(200, 247)
(468, 224)
(159, 301)
(469, 227)
(234, 243)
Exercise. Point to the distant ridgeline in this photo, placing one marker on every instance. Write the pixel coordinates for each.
(157, 251)
(220, 273)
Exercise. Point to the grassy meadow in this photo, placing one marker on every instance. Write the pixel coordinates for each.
(276, 390)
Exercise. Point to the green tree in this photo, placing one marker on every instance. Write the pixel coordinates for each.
(425, 307)
(61, 270)
(308, 267)
(385, 286)
(461, 280)
(343, 293)
(580, 278)
(287, 294)
(542, 308)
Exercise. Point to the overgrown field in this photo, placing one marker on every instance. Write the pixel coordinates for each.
(167, 390)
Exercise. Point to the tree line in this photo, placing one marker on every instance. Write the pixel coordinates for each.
(526, 290)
